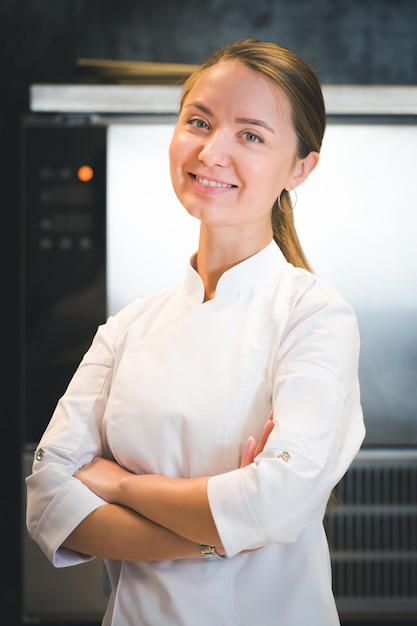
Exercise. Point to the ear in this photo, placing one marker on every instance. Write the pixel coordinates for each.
(302, 170)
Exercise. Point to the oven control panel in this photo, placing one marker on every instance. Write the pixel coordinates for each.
(63, 225)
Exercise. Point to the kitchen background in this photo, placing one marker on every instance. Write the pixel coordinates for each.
(346, 41)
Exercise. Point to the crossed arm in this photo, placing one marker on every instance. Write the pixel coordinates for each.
(149, 517)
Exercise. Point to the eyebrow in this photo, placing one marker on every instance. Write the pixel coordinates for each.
(238, 120)
(254, 122)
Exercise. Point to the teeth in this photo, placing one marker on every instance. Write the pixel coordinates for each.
(212, 183)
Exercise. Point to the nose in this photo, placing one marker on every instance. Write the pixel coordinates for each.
(215, 150)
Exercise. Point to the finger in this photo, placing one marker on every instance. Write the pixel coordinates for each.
(249, 453)
(269, 426)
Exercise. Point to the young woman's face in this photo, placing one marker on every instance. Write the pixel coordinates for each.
(234, 147)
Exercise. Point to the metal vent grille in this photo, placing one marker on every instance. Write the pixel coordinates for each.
(372, 531)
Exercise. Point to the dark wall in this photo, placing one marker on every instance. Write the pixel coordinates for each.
(351, 41)
(346, 41)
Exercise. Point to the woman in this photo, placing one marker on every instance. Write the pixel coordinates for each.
(150, 459)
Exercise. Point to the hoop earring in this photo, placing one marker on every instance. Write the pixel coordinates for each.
(293, 204)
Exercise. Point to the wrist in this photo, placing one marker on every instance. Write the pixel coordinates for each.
(128, 491)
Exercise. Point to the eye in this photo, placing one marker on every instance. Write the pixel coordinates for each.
(252, 137)
(197, 122)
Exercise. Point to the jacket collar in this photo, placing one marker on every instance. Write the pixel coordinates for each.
(252, 273)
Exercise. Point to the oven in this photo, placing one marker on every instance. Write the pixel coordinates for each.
(102, 226)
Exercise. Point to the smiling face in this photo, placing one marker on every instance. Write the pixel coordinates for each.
(234, 148)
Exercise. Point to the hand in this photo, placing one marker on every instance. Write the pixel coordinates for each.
(252, 448)
(103, 477)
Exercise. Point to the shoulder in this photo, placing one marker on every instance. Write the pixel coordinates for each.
(116, 330)
(129, 315)
(312, 301)
(300, 287)
(305, 287)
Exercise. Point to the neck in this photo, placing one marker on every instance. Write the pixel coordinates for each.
(219, 252)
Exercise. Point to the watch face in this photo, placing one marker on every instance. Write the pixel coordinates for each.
(210, 553)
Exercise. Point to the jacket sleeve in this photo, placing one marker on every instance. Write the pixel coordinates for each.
(318, 431)
(56, 501)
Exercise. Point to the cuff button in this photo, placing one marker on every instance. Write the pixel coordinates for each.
(39, 454)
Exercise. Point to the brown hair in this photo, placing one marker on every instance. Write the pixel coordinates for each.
(298, 81)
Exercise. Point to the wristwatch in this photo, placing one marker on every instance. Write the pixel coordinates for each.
(210, 553)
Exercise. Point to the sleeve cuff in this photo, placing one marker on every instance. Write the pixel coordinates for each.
(55, 525)
(236, 525)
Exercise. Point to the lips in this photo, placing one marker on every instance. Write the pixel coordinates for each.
(212, 183)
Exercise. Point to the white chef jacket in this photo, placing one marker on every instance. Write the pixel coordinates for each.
(173, 385)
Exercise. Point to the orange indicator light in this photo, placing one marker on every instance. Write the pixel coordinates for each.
(85, 173)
